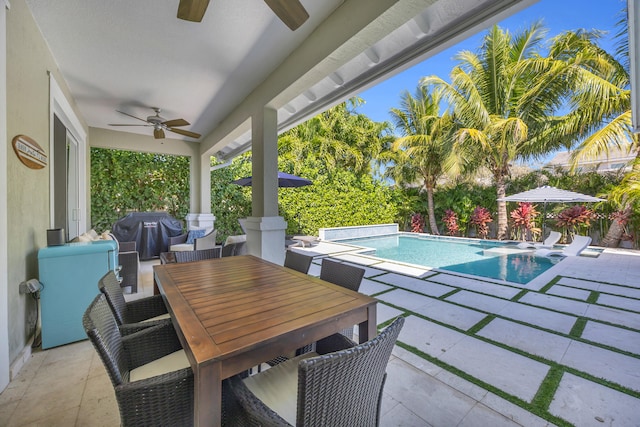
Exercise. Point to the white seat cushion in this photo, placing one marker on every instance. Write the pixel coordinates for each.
(235, 239)
(277, 387)
(181, 247)
(162, 316)
(169, 363)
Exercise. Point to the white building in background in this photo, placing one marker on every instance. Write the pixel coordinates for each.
(617, 160)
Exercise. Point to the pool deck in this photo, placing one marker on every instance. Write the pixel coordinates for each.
(473, 351)
(565, 346)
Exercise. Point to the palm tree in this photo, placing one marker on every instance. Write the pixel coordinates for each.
(422, 148)
(602, 103)
(505, 101)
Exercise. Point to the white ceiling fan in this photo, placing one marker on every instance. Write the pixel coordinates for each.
(161, 124)
(291, 12)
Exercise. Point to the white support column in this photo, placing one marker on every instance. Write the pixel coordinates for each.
(203, 188)
(265, 229)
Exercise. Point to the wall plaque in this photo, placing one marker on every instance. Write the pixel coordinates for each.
(29, 152)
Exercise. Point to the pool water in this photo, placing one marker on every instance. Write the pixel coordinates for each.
(469, 256)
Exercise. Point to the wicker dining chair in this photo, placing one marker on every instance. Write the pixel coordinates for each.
(133, 315)
(165, 399)
(340, 386)
(345, 275)
(198, 255)
(297, 261)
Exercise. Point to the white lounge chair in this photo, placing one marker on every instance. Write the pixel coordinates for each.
(576, 247)
(552, 239)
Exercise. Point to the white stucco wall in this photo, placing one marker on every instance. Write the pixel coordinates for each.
(28, 63)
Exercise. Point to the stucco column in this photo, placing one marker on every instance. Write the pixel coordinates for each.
(265, 229)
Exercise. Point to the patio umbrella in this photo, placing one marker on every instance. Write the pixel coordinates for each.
(284, 180)
(547, 194)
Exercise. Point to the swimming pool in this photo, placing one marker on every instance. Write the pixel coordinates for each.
(496, 260)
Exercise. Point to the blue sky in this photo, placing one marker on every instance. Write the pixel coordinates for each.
(557, 16)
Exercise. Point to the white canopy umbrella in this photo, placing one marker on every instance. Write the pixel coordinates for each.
(547, 194)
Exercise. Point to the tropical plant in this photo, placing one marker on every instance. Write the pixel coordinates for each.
(451, 222)
(417, 223)
(575, 219)
(128, 181)
(339, 138)
(481, 218)
(503, 100)
(523, 218)
(423, 146)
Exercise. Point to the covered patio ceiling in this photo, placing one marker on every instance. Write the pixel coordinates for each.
(134, 55)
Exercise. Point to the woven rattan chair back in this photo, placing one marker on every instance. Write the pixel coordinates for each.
(347, 276)
(199, 255)
(346, 385)
(341, 387)
(101, 328)
(110, 287)
(297, 261)
(234, 249)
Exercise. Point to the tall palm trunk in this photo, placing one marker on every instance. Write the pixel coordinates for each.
(431, 211)
(616, 230)
(502, 207)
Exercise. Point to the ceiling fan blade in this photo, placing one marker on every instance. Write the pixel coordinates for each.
(186, 133)
(127, 114)
(291, 12)
(192, 10)
(176, 122)
(158, 133)
(118, 124)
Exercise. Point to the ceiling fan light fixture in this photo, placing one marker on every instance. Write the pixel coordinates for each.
(160, 124)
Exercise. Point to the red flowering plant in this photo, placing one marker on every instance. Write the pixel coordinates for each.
(524, 221)
(450, 220)
(575, 219)
(417, 223)
(481, 217)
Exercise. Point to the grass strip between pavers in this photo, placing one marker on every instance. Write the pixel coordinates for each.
(578, 327)
(593, 297)
(548, 388)
(536, 410)
(481, 324)
(548, 286)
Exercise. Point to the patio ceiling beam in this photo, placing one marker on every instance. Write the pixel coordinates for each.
(353, 27)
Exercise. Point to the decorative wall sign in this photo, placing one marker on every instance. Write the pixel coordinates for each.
(29, 152)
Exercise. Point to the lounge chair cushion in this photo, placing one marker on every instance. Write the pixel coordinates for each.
(277, 387)
(169, 363)
(552, 239)
(576, 247)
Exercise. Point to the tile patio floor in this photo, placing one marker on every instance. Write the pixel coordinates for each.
(467, 345)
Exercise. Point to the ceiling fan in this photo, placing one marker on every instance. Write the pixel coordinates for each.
(160, 124)
(291, 12)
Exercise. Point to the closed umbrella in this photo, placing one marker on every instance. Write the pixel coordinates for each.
(284, 180)
(547, 194)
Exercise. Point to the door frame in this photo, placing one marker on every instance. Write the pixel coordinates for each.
(60, 106)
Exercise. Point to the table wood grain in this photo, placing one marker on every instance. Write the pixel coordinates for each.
(234, 313)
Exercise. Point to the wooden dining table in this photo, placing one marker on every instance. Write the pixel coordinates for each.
(234, 313)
